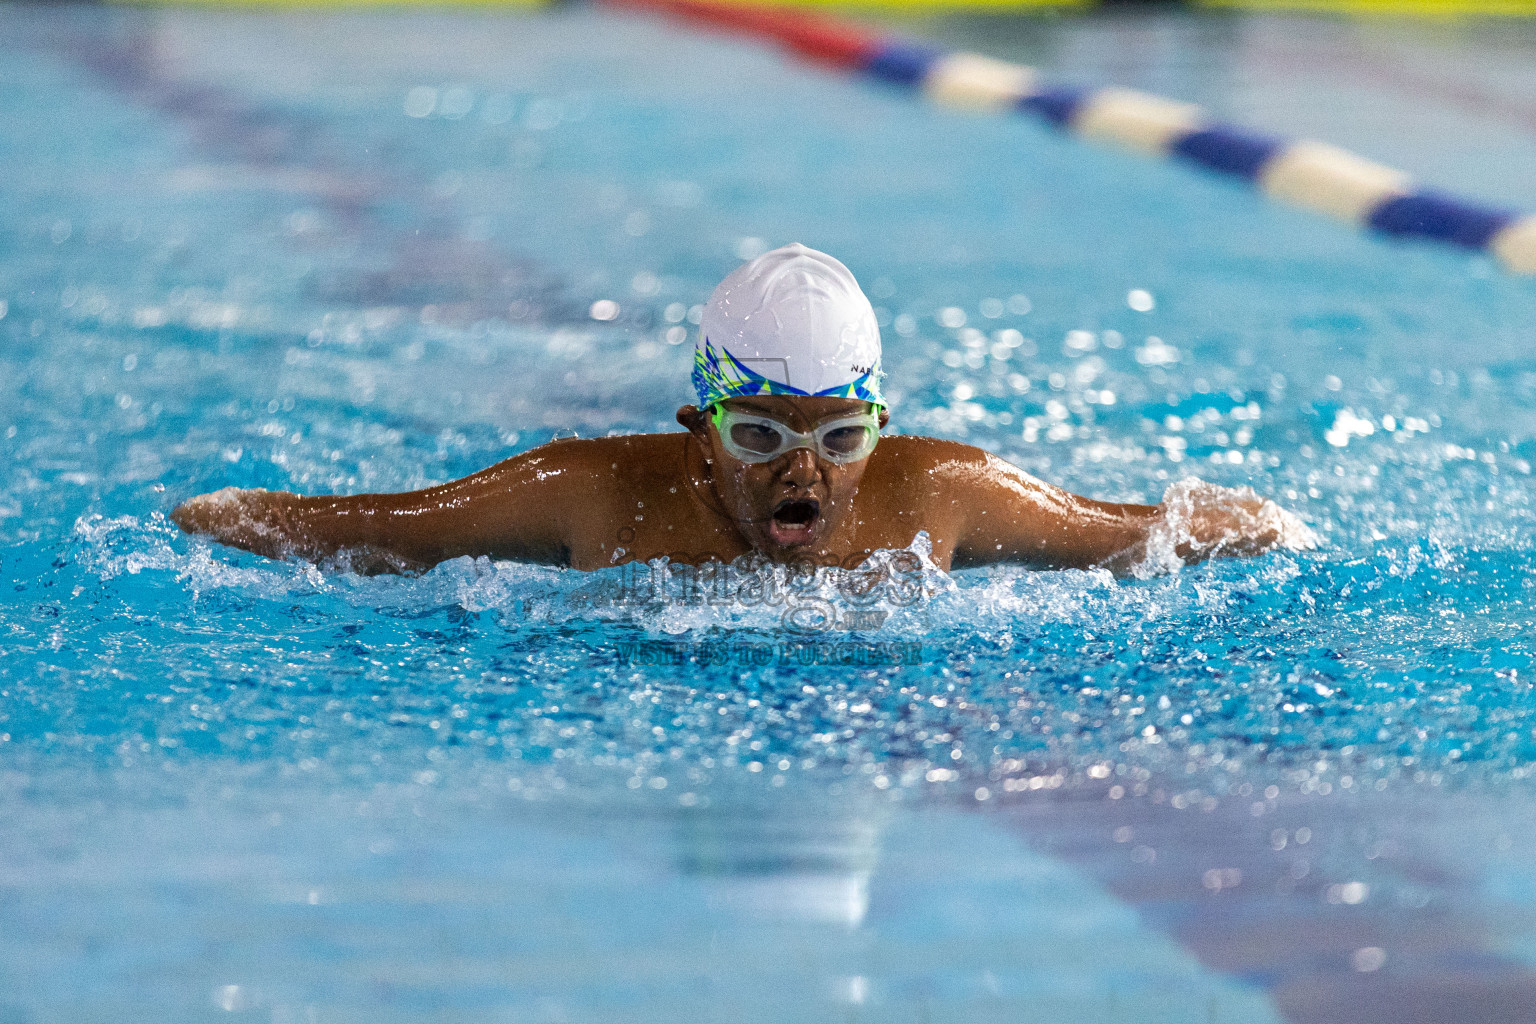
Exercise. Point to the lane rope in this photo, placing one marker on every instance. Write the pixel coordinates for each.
(1306, 173)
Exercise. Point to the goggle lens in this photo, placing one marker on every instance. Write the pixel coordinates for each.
(757, 438)
(848, 441)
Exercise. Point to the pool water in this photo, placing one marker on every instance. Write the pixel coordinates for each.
(374, 251)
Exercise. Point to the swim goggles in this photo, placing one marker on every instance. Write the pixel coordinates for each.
(756, 439)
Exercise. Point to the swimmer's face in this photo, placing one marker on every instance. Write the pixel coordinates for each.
(790, 505)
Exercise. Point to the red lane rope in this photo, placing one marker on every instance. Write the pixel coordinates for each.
(826, 39)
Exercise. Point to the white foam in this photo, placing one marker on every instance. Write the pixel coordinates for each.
(896, 595)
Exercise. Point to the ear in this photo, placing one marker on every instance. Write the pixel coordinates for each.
(885, 416)
(696, 422)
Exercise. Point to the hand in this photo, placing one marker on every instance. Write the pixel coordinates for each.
(254, 519)
(1199, 520)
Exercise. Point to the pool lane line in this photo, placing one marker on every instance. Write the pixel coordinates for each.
(291, 150)
(1306, 173)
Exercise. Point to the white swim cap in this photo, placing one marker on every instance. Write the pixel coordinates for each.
(791, 322)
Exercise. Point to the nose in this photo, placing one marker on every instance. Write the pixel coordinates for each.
(802, 468)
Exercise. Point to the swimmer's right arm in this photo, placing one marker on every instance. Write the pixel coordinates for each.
(515, 509)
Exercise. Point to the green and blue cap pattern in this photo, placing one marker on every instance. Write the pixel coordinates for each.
(718, 375)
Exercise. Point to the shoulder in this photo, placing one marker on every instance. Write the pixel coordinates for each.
(616, 455)
(941, 483)
(908, 457)
(949, 480)
(588, 469)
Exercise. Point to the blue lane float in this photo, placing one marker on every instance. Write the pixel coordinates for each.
(1306, 173)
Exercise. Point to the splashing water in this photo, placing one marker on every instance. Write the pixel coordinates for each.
(895, 673)
(1212, 521)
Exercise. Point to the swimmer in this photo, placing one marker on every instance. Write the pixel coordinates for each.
(781, 455)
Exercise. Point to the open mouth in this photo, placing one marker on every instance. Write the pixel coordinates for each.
(794, 519)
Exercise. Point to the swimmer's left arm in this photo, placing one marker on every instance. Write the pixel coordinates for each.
(1014, 517)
